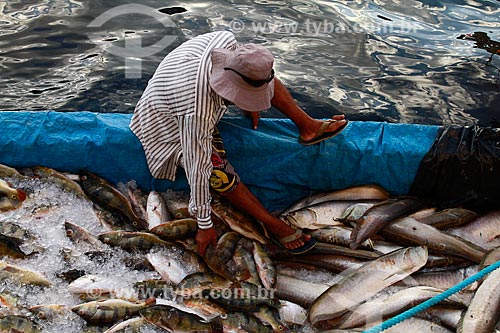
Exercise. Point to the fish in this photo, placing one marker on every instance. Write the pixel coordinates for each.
(132, 325)
(490, 258)
(332, 262)
(156, 210)
(49, 311)
(11, 247)
(175, 263)
(177, 204)
(18, 324)
(270, 316)
(205, 308)
(265, 266)
(444, 279)
(326, 248)
(226, 245)
(107, 196)
(451, 217)
(8, 172)
(375, 218)
(21, 275)
(6, 204)
(292, 313)
(174, 320)
(240, 322)
(354, 193)
(298, 291)
(317, 216)
(180, 304)
(216, 265)
(366, 281)
(156, 288)
(7, 190)
(79, 234)
(244, 262)
(64, 182)
(307, 272)
(384, 306)
(13, 230)
(484, 310)
(419, 325)
(242, 297)
(484, 231)
(93, 285)
(132, 240)
(339, 235)
(237, 221)
(137, 197)
(109, 311)
(194, 284)
(176, 229)
(446, 316)
(354, 212)
(411, 232)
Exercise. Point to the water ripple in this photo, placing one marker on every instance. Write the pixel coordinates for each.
(378, 59)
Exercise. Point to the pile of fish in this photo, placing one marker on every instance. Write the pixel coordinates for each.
(79, 254)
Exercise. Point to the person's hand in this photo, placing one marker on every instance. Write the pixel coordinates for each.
(205, 237)
(254, 116)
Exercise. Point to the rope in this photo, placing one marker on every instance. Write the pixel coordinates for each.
(433, 301)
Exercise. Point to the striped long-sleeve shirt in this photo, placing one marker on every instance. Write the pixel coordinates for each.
(176, 115)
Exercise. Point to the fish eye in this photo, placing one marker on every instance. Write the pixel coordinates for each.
(69, 233)
(42, 315)
(13, 197)
(223, 316)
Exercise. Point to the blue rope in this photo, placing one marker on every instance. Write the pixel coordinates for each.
(433, 301)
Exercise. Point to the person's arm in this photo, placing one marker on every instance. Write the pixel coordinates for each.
(196, 141)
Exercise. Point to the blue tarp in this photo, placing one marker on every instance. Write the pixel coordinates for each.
(269, 160)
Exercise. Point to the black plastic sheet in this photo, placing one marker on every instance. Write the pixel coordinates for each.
(461, 169)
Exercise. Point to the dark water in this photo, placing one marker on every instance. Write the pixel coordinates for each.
(431, 62)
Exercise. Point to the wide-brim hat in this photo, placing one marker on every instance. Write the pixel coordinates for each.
(244, 76)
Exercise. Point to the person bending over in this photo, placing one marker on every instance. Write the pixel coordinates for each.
(177, 114)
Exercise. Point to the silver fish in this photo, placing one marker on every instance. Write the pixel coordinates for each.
(375, 218)
(366, 281)
(484, 231)
(411, 232)
(156, 210)
(387, 306)
(175, 263)
(484, 310)
(355, 193)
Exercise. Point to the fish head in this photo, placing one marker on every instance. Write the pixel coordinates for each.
(19, 195)
(140, 224)
(85, 310)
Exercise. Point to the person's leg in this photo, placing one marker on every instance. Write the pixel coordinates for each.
(244, 200)
(308, 127)
(225, 181)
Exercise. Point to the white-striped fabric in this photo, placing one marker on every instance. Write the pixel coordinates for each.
(176, 115)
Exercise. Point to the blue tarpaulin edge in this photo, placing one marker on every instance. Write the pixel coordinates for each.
(269, 160)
